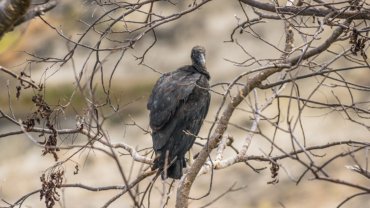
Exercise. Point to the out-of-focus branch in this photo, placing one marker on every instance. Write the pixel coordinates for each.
(359, 170)
(11, 11)
(91, 135)
(123, 188)
(36, 11)
(15, 12)
(135, 155)
(308, 10)
(20, 78)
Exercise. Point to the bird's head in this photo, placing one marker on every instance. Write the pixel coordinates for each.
(198, 57)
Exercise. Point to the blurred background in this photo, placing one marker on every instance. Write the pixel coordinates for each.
(21, 163)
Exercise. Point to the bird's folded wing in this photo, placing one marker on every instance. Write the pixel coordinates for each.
(168, 94)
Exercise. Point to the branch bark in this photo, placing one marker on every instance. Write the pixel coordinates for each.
(36, 11)
(10, 11)
(308, 10)
(252, 83)
(16, 12)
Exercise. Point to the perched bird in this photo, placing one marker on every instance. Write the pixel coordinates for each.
(178, 105)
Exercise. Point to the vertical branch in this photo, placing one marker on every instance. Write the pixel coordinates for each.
(248, 138)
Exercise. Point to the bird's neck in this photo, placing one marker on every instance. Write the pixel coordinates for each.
(201, 69)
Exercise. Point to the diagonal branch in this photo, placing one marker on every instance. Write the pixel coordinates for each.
(252, 83)
(36, 11)
(20, 77)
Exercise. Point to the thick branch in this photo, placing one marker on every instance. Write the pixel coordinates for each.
(308, 10)
(184, 188)
(187, 181)
(36, 11)
(10, 11)
(321, 48)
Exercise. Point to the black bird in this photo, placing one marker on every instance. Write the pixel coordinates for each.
(178, 105)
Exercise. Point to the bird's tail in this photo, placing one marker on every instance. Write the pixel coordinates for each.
(170, 169)
(175, 170)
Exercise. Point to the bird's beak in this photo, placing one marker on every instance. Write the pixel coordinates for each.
(203, 60)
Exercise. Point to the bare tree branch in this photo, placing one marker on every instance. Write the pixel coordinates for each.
(308, 10)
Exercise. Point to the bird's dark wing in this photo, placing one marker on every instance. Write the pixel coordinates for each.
(169, 92)
(193, 112)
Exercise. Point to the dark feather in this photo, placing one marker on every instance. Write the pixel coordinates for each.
(178, 105)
